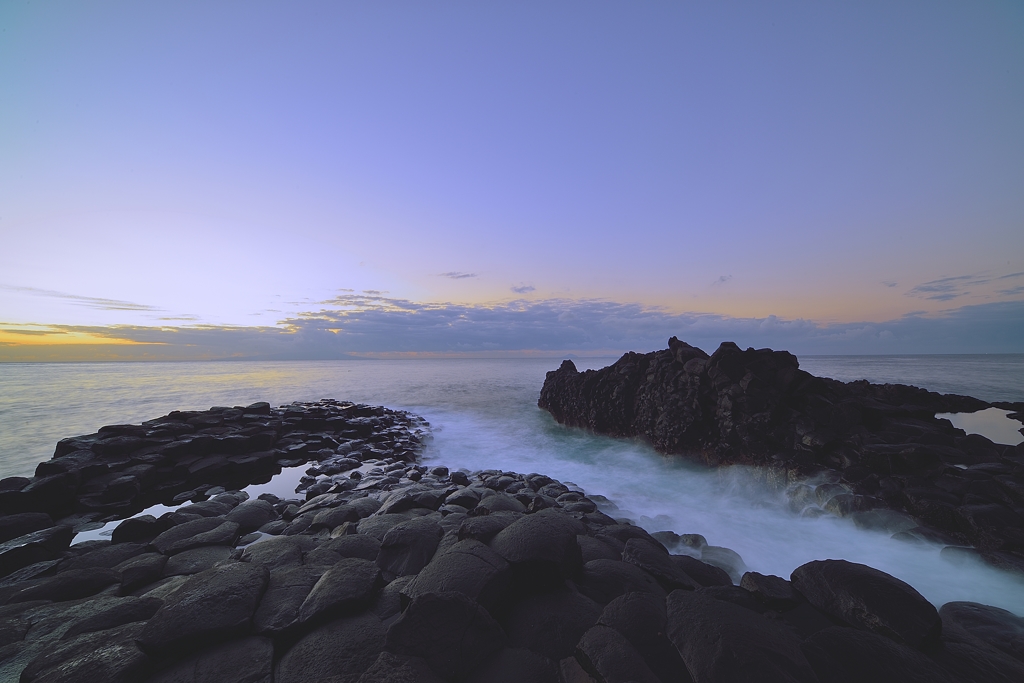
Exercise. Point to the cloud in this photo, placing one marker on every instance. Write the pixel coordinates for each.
(722, 279)
(523, 289)
(889, 283)
(87, 301)
(949, 288)
(361, 324)
(455, 275)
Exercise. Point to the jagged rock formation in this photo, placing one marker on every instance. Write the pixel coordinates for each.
(871, 446)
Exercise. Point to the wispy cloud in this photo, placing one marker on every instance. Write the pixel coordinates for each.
(360, 324)
(722, 279)
(889, 283)
(87, 301)
(456, 275)
(523, 289)
(949, 288)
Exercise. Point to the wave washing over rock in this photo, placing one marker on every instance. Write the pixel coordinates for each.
(874, 452)
(387, 570)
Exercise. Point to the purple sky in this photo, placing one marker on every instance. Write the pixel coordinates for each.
(312, 179)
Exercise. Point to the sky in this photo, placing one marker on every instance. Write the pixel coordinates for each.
(341, 179)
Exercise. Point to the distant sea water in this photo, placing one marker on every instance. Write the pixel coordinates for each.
(484, 415)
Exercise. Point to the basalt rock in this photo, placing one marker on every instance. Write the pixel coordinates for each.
(880, 445)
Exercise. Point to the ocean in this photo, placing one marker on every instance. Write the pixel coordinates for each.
(484, 415)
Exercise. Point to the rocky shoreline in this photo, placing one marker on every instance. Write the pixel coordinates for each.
(387, 570)
(876, 453)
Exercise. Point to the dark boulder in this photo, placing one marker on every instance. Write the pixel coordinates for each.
(486, 527)
(703, 573)
(869, 599)
(37, 546)
(277, 552)
(125, 611)
(541, 547)
(346, 588)
(354, 545)
(140, 571)
(719, 641)
(211, 606)
(68, 585)
(550, 624)
(392, 668)
(469, 567)
(515, 665)
(605, 580)
(111, 655)
(247, 660)
(642, 619)
(407, 547)
(656, 561)
(846, 655)
(251, 515)
(453, 633)
(774, 591)
(286, 591)
(12, 526)
(340, 652)
(194, 534)
(606, 655)
(997, 627)
(196, 560)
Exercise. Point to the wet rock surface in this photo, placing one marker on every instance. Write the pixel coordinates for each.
(874, 453)
(396, 582)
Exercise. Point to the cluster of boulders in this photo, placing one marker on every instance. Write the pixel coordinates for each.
(400, 573)
(124, 469)
(843, 448)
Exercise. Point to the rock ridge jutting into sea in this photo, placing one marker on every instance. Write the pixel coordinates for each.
(387, 570)
(874, 452)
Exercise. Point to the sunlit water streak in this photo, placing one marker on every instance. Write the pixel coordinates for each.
(484, 416)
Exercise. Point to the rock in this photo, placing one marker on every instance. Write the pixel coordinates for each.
(196, 560)
(194, 534)
(605, 580)
(340, 652)
(515, 665)
(389, 600)
(110, 655)
(486, 527)
(407, 547)
(379, 526)
(605, 654)
(248, 660)
(469, 567)
(996, 627)
(334, 517)
(287, 589)
(774, 591)
(592, 548)
(845, 655)
(107, 556)
(498, 502)
(251, 515)
(541, 548)
(736, 595)
(451, 632)
(68, 585)
(347, 587)
(725, 559)
(13, 526)
(719, 641)
(214, 605)
(37, 546)
(551, 624)
(274, 553)
(354, 545)
(140, 571)
(126, 611)
(655, 560)
(641, 618)
(392, 668)
(703, 573)
(869, 599)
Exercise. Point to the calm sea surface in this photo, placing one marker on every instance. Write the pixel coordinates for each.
(484, 415)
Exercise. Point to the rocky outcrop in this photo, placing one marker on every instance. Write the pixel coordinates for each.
(186, 455)
(849, 449)
(394, 571)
